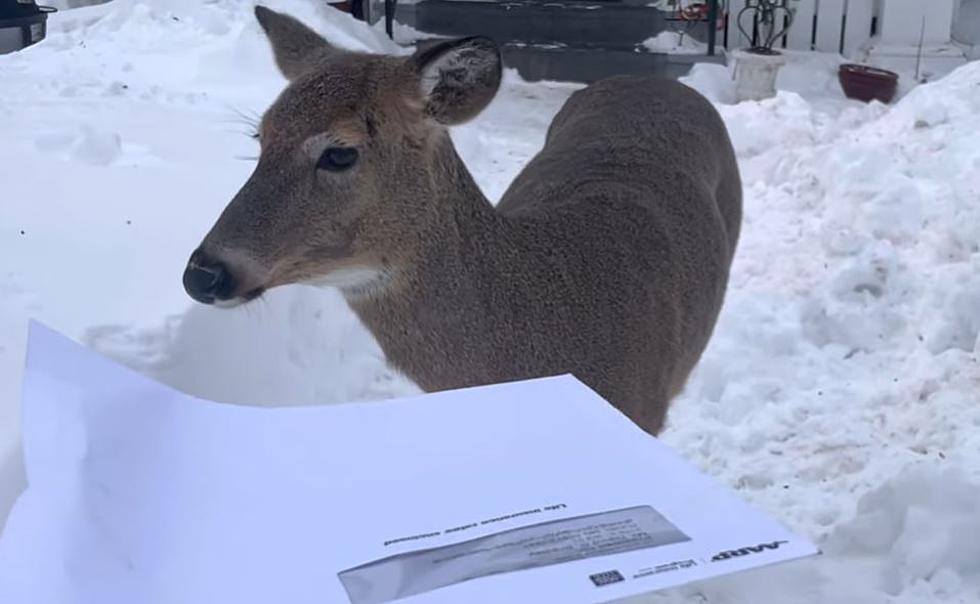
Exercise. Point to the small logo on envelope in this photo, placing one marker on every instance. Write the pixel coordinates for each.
(747, 551)
(607, 578)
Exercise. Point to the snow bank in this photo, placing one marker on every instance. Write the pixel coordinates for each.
(219, 41)
(839, 391)
(142, 23)
(921, 527)
(298, 346)
(845, 362)
(675, 42)
(911, 541)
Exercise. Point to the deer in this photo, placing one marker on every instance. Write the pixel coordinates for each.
(607, 258)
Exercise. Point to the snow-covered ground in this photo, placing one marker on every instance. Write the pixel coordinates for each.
(675, 42)
(841, 392)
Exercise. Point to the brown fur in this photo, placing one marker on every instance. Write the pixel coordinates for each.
(608, 257)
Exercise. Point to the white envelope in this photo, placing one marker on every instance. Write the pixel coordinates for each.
(535, 491)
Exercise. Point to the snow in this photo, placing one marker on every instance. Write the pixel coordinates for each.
(675, 42)
(839, 392)
(407, 35)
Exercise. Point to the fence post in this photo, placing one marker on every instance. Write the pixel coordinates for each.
(830, 21)
(800, 34)
(857, 30)
(735, 37)
(901, 21)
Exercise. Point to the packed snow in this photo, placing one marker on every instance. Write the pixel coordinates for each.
(839, 393)
(675, 42)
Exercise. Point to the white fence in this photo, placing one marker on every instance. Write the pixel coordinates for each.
(824, 25)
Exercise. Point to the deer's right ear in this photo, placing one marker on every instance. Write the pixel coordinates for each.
(458, 78)
(294, 45)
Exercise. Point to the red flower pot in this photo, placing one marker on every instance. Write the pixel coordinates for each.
(866, 83)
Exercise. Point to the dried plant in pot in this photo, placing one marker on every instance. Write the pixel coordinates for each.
(756, 67)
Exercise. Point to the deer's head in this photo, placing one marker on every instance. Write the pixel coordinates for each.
(350, 152)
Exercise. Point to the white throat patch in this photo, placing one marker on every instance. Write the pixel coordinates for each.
(355, 281)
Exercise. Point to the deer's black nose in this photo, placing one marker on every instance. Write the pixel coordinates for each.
(207, 279)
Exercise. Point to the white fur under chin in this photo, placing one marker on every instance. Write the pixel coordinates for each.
(354, 282)
(232, 303)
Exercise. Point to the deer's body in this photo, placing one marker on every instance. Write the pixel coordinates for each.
(608, 257)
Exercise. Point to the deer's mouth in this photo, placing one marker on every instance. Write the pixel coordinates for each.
(253, 294)
(241, 300)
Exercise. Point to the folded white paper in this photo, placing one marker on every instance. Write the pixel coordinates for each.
(534, 491)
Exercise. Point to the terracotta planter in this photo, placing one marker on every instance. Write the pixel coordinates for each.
(867, 84)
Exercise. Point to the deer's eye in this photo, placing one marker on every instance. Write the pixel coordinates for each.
(337, 159)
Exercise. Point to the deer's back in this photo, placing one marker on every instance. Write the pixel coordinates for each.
(640, 139)
(630, 215)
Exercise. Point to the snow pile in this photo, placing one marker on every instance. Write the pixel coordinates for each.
(675, 42)
(84, 144)
(839, 392)
(301, 346)
(921, 527)
(912, 540)
(847, 352)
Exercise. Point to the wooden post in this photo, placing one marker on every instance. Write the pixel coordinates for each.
(735, 37)
(830, 23)
(857, 30)
(712, 26)
(800, 35)
(901, 21)
(390, 7)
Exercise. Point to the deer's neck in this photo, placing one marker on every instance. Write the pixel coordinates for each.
(433, 308)
(458, 228)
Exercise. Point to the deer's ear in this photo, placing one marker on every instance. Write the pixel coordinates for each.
(295, 46)
(458, 78)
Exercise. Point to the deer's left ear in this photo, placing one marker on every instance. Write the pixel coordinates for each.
(458, 78)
